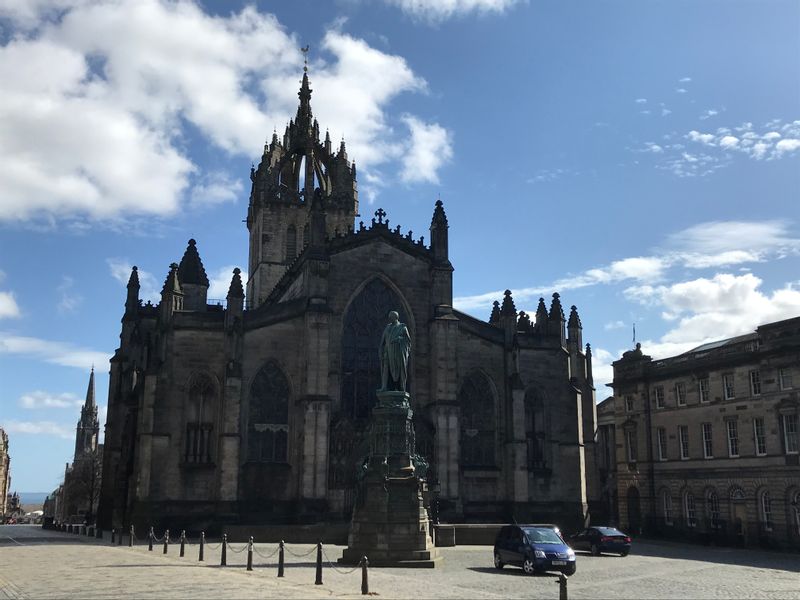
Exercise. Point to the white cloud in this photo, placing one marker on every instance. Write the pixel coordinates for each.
(439, 10)
(714, 308)
(149, 286)
(614, 325)
(785, 146)
(69, 300)
(544, 175)
(711, 112)
(703, 138)
(684, 80)
(220, 282)
(717, 238)
(9, 309)
(602, 371)
(102, 135)
(641, 100)
(65, 354)
(40, 428)
(39, 400)
(430, 148)
(728, 142)
(665, 112)
(653, 147)
(680, 90)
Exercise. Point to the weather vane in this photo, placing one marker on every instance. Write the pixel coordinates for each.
(305, 58)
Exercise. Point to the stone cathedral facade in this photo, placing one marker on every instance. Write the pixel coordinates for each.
(257, 412)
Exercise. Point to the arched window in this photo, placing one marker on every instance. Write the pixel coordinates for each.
(666, 507)
(765, 510)
(200, 416)
(689, 509)
(476, 398)
(536, 429)
(794, 505)
(268, 416)
(363, 325)
(291, 243)
(712, 508)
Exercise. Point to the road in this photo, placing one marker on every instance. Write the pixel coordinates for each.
(45, 564)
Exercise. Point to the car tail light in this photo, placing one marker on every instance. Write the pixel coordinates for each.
(627, 540)
(605, 538)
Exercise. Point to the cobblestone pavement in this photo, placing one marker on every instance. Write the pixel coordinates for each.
(45, 564)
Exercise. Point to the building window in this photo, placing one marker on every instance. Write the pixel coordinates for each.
(759, 436)
(291, 243)
(689, 509)
(680, 393)
(268, 417)
(659, 394)
(790, 433)
(704, 394)
(662, 443)
(477, 421)
(795, 504)
(712, 505)
(631, 443)
(728, 387)
(755, 383)
(785, 378)
(733, 438)
(683, 438)
(708, 442)
(765, 510)
(629, 403)
(666, 507)
(199, 422)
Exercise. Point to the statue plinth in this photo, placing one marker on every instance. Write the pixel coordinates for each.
(390, 524)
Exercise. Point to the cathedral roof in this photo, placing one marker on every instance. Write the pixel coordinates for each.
(191, 269)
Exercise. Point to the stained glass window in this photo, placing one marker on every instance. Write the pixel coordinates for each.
(268, 417)
(199, 421)
(476, 398)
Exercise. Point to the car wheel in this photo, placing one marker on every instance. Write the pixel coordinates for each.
(570, 570)
(528, 566)
(498, 564)
(625, 553)
(595, 550)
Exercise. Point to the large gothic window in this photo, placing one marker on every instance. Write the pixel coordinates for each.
(268, 417)
(363, 325)
(476, 398)
(200, 411)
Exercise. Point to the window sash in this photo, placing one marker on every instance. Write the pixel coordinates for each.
(733, 438)
(666, 503)
(659, 393)
(630, 438)
(689, 509)
(708, 443)
(629, 403)
(790, 433)
(785, 379)
(683, 436)
(680, 393)
(759, 436)
(198, 441)
(766, 510)
(662, 443)
(728, 387)
(704, 395)
(755, 383)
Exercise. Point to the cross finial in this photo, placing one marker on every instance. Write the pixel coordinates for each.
(380, 213)
(305, 58)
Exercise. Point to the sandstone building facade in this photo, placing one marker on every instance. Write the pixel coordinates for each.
(707, 442)
(256, 412)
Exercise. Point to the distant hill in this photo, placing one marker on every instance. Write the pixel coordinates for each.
(32, 498)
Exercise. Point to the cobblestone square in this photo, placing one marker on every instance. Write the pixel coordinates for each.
(46, 564)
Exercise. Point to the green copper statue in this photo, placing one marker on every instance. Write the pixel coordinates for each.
(394, 350)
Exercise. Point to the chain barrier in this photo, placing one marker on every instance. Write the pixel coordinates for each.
(313, 549)
(338, 570)
(267, 557)
(234, 550)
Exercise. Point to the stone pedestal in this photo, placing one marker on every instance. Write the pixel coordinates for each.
(390, 524)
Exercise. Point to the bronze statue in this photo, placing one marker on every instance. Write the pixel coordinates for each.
(394, 350)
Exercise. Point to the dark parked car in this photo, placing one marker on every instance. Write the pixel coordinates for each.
(535, 548)
(602, 539)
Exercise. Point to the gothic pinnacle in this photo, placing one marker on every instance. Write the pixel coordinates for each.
(508, 309)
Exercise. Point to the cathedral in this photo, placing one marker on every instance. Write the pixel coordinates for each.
(257, 412)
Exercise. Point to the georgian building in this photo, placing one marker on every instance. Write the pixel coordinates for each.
(256, 411)
(707, 442)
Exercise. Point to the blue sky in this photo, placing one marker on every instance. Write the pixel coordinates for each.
(640, 158)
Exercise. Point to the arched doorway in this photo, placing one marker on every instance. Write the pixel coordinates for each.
(634, 511)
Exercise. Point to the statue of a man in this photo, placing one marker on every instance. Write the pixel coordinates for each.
(394, 350)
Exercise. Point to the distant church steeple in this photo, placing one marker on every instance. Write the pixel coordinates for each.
(88, 428)
(284, 186)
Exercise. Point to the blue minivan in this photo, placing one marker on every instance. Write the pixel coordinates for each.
(535, 548)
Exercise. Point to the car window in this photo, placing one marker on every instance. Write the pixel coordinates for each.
(542, 535)
(609, 531)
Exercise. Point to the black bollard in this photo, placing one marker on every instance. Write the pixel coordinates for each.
(113, 535)
(99, 533)
(202, 544)
(166, 540)
(223, 560)
(280, 559)
(250, 554)
(150, 536)
(562, 586)
(318, 580)
(183, 541)
(130, 539)
(364, 576)
(119, 539)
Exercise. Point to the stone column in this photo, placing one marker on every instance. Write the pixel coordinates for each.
(315, 449)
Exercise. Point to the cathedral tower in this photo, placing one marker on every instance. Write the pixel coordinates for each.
(283, 187)
(88, 428)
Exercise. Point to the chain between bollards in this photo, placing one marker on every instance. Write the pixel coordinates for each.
(166, 541)
(250, 554)
(318, 580)
(130, 539)
(183, 542)
(150, 536)
(562, 586)
(202, 544)
(280, 560)
(223, 561)
(364, 576)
